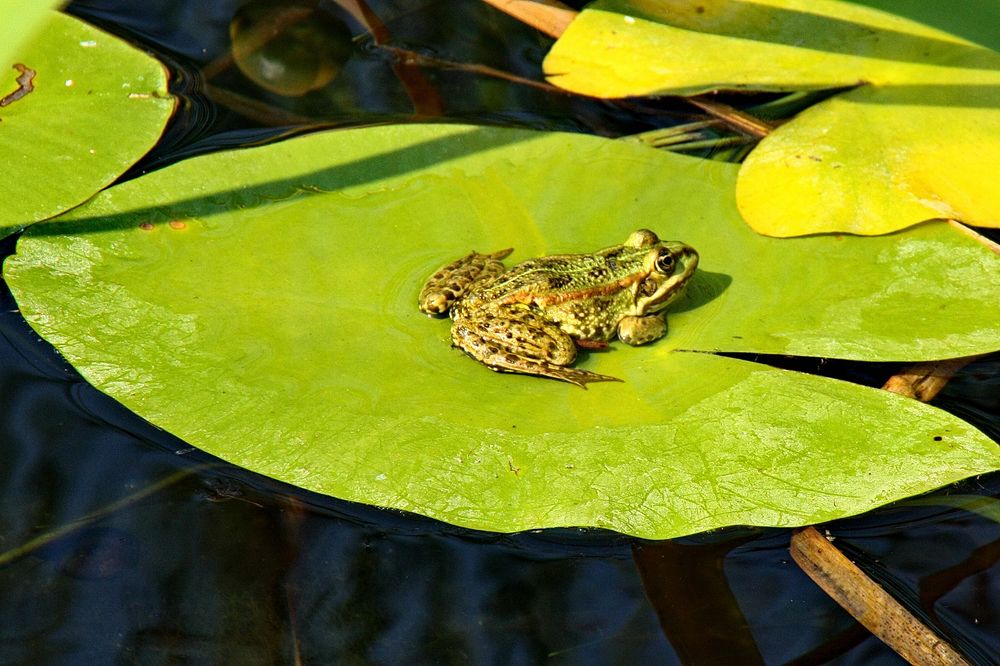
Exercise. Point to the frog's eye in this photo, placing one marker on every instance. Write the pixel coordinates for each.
(665, 262)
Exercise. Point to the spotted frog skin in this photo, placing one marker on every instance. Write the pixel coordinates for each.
(531, 318)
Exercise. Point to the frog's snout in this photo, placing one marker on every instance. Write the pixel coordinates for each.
(691, 258)
(686, 257)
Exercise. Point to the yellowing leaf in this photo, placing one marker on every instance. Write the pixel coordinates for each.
(919, 140)
(873, 161)
(617, 48)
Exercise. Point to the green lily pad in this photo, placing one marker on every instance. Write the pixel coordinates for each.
(919, 140)
(97, 105)
(272, 321)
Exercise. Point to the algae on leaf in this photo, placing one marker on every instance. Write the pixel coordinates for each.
(272, 321)
(97, 106)
(918, 139)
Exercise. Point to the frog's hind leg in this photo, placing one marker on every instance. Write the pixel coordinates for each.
(516, 338)
(449, 283)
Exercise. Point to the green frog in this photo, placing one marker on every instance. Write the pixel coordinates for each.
(532, 317)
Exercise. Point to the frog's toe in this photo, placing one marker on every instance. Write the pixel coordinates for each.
(511, 363)
(435, 302)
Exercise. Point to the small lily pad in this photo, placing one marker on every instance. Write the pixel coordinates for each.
(271, 320)
(96, 105)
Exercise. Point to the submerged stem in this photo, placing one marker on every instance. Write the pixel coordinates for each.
(52, 535)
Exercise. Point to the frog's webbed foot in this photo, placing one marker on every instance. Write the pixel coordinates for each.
(449, 283)
(572, 375)
(515, 338)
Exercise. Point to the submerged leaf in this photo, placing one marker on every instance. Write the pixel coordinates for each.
(273, 322)
(95, 107)
(919, 140)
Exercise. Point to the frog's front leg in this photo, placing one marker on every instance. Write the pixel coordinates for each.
(516, 338)
(640, 330)
(449, 283)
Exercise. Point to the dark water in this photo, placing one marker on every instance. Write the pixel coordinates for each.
(189, 560)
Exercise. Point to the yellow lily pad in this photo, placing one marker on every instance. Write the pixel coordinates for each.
(919, 140)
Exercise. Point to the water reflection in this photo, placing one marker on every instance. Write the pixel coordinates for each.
(218, 567)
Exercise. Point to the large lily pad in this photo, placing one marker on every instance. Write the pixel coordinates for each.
(97, 106)
(272, 321)
(919, 140)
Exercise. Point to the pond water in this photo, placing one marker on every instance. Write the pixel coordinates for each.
(152, 552)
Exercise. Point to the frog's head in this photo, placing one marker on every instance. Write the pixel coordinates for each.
(666, 268)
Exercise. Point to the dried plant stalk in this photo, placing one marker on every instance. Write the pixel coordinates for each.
(548, 16)
(868, 602)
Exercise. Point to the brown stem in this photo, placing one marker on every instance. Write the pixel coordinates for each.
(732, 118)
(870, 605)
(364, 15)
(548, 16)
(426, 102)
(975, 235)
(413, 58)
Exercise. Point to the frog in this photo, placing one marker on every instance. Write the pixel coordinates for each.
(533, 317)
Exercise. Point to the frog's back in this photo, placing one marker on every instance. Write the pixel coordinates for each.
(559, 278)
